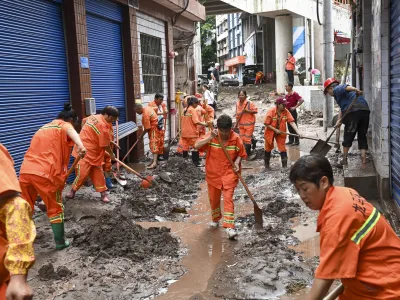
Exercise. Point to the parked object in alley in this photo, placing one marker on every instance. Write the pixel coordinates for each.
(146, 181)
(229, 80)
(354, 237)
(249, 73)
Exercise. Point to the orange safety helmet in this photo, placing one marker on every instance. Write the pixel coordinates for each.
(328, 83)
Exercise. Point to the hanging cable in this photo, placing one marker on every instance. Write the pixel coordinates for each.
(319, 22)
(176, 16)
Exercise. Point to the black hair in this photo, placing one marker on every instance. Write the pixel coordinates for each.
(159, 96)
(242, 91)
(111, 111)
(68, 114)
(192, 100)
(206, 86)
(311, 168)
(290, 52)
(224, 122)
(309, 69)
(290, 84)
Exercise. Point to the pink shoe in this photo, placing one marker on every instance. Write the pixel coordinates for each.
(70, 194)
(104, 197)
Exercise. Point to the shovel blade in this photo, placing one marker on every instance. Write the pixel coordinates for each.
(321, 148)
(258, 214)
(166, 153)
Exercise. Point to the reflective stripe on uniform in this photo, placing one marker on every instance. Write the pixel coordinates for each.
(367, 226)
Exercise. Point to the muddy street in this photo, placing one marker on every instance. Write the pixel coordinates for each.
(156, 244)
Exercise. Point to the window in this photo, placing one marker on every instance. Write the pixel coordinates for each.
(151, 63)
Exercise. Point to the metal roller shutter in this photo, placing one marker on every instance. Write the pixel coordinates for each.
(395, 99)
(105, 54)
(33, 70)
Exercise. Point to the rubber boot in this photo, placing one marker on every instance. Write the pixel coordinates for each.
(58, 232)
(71, 194)
(248, 149)
(253, 143)
(284, 159)
(267, 158)
(109, 183)
(185, 154)
(196, 158)
(104, 197)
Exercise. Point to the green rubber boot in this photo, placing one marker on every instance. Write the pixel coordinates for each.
(58, 231)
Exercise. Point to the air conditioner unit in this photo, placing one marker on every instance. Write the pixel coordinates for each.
(134, 3)
(90, 106)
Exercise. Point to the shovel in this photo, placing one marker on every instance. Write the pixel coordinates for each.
(120, 179)
(72, 167)
(322, 148)
(335, 293)
(166, 149)
(257, 209)
(146, 182)
(306, 137)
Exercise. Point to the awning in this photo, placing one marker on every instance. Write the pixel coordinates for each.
(235, 61)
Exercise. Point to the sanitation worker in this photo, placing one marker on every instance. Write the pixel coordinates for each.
(209, 114)
(190, 132)
(246, 112)
(44, 169)
(259, 77)
(150, 126)
(356, 121)
(275, 128)
(180, 147)
(160, 108)
(221, 178)
(95, 136)
(358, 246)
(17, 233)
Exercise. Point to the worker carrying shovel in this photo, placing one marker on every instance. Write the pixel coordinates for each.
(221, 178)
(275, 128)
(44, 168)
(16, 235)
(357, 119)
(95, 136)
(358, 246)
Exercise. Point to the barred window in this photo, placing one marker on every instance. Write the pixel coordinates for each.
(151, 63)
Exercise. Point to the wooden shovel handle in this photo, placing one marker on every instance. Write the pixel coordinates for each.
(130, 150)
(72, 167)
(335, 293)
(131, 170)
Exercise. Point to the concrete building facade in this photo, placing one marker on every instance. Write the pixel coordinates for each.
(222, 41)
(118, 52)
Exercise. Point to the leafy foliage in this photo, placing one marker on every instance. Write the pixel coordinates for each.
(208, 41)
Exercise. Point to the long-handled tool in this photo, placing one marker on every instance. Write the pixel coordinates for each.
(120, 179)
(257, 209)
(72, 167)
(335, 293)
(305, 137)
(167, 149)
(130, 150)
(146, 181)
(322, 147)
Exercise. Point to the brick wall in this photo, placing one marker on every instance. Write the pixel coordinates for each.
(379, 103)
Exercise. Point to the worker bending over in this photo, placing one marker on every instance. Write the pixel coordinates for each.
(190, 132)
(358, 246)
(95, 136)
(150, 126)
(246, 112)
(275, 128)
(221, 178)
(160, 108)
(45, 167)
(17, 233)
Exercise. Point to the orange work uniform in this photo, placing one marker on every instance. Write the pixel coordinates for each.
(358, 246)
(259, 76)
(45, 167)
(220, 176)
(209, 113)
(278, 122)
(17, 231)
(160, 132)
(246, 121)
(190, 131)
(150, 123)
(95, 136)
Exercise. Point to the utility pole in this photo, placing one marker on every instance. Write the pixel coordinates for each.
(328, 59)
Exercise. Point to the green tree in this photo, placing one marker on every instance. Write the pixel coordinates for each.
(208, 42)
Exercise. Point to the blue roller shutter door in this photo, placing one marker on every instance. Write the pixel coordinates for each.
(104, 20)
(33, 70)
(395, 99)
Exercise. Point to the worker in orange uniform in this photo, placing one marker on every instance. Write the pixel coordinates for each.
(95, 136)
(190, 132)
(16, 235)
(45, 167)
(358, 246)
(160, 108)
(179, 148)
(246, 112)
(275, 128)
(220, 177)
(259, 77)
(209, 114)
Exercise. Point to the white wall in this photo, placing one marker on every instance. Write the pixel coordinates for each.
(154, 27)
(250, 50)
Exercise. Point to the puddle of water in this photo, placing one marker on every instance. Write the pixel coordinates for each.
(294, 153)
